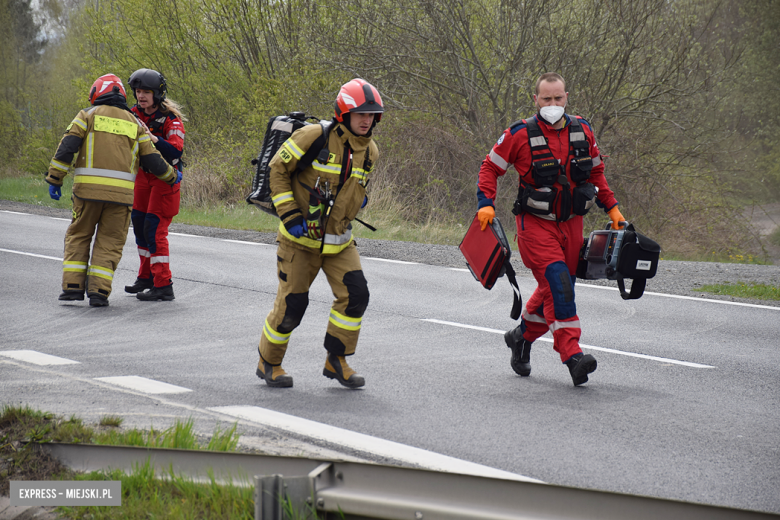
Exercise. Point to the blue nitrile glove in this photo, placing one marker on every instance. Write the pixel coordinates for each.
(178, 177)
(55, 192)
(298, 230)
(365, 201)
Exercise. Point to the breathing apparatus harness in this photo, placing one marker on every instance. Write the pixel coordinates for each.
(322, 197)
(542, 198)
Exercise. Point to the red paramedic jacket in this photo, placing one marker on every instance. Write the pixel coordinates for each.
(170, 142)
(512, 149)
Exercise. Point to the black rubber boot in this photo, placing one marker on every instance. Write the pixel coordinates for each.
(71, 296)
(140, 285)
(157, 293)
(336, 367)
(580, 366)
(521, 351)
(274, 376)
(98, 300)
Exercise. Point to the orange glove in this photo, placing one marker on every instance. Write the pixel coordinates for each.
(617, 218)
(486, 216)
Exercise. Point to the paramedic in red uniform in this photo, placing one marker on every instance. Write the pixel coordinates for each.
(155, 203)
(561, 177)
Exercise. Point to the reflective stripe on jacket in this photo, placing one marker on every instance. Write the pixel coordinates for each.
(513, 149)
(291, 199)
(105, 144)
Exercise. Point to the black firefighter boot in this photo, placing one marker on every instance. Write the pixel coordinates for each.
(274, 375)
(580, 366)
(140, 285)
(157, 293)
(336, 367)
(521, 351)
(70, 296)
(98, 300)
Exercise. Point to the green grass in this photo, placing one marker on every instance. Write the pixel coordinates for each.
(144, 494)
(111, 420)
(34, 190)
(723, 258)
(756, 291)
(386, 216)
(243, 216)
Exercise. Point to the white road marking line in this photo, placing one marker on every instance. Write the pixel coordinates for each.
(680, 297)
(245, 242)
(37, 358)
(693, 298)
(463, 326)
(14, 212)
(63, 219)
(386, 260)
(366, 443)
(603, 349)
(31, 254)
(314, 430)
(144, 385)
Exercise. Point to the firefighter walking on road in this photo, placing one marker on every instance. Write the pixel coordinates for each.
(561, 178)
(316, 207)
(155, 202)
(106, 144)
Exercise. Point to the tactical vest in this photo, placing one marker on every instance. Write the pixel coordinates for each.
(542, 198)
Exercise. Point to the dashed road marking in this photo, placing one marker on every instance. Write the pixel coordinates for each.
(365, 443)
(37, 358)
(144, 385)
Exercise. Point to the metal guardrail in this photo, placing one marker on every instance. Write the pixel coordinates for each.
(369, 491)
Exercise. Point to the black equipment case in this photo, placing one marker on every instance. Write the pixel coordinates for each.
(487, 256)
(618, 254)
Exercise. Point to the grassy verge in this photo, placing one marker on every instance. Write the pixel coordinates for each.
(144, 494)
(384, 214)
(242, 216)
(34, 190)
(756, 291)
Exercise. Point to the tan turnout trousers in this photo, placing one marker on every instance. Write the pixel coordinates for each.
(97, 275)
(297, 269)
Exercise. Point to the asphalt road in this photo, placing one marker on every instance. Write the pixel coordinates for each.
(684, 404)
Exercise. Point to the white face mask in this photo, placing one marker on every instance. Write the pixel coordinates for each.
(551, 114)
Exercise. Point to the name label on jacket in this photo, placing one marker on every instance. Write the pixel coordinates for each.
(116, 126)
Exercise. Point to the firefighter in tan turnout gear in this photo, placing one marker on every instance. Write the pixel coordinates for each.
(105, 143)
(316, 206)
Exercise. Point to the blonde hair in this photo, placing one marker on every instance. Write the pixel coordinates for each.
(169, 105)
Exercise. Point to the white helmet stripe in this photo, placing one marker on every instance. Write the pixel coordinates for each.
(348, 100)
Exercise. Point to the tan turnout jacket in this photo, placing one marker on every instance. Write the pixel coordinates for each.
(106, 145)
(291, 199)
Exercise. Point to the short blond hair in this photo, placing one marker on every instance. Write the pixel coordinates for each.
(549, 77)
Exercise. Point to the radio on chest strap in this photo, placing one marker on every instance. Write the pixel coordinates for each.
(541, 198)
